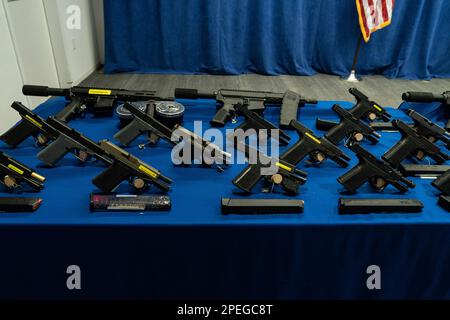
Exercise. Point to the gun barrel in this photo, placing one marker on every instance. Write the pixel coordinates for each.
(310, 101)
(423, 97)
(43, 91)
(182, 93)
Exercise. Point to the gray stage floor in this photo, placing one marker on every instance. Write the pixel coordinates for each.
(322, 87)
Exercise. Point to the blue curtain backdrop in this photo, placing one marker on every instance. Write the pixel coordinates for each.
(299, 37)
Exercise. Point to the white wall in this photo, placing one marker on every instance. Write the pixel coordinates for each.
(75, 51)
(28, 28)
(10, 78)
(37, 47)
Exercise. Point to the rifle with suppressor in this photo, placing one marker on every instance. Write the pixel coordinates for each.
(127, 167)
(373, 170)
(70, 140)
(318, 149)
(350, 126)
(364, 109)
(100, 101)
(428, 97)
(13, 174)
(287, 176)
(227, 99)
(146, 124)
(412, 144)
(31, 125)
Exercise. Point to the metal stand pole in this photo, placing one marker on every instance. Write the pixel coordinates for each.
(352, 77)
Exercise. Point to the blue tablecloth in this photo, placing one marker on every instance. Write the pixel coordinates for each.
(195, 252)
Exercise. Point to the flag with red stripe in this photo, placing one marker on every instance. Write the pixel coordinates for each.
(374, 15)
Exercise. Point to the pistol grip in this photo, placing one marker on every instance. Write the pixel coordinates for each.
(130, 132)
(289, 109)
(337, 133)
(55, 151)
(70, 111)
(111, 178)
(399, 152)
(248, 178)
(16, 135)
(297, 152)
(221, 117)
(354, 178)
(443, 183)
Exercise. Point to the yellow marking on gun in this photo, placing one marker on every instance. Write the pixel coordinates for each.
(313, 138)
(282, 166)
(148, 172)
(102, 92)
(377, 107)
(14, 168)
(30, 119)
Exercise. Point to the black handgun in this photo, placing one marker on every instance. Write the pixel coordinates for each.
(256, 122)
(14, 174)
(318, 149)
(412, 144)
(146, 124)
(428, 97)
(428, 129)
(442, 183)
(364, 109)
(285, 175)
(70, 140)
(227, 99)
(100, 101)
(31, 125)
(126, 167)
(350, 127)
(373, 170)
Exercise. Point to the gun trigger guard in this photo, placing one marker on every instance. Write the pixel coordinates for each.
(233, 117)
(378, 183)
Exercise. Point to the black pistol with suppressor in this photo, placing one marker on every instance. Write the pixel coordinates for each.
(227, 100)
(412, 144)
(146, 124)
(126, 167)
(31, 125)
(14, 175)
(364, 109)
(275, 171)
(318, 149)
(99, 101)
(428, 97)
(69, 140)
(373, 170)
(350, 127)
(256, 122)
